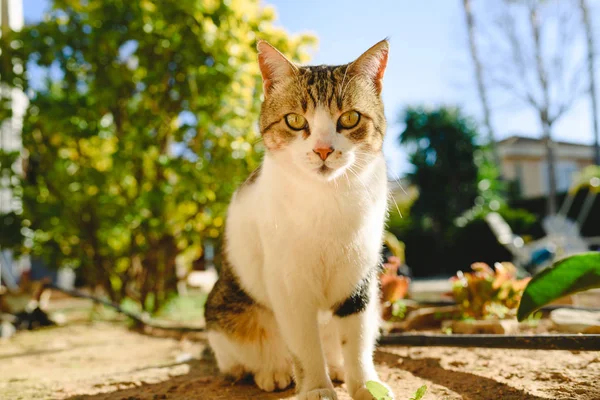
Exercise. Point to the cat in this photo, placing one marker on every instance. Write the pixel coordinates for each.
(298, 293)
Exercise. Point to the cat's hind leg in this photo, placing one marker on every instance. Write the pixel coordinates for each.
(244, 336)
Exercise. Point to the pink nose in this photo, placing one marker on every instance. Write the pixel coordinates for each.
(323, 152)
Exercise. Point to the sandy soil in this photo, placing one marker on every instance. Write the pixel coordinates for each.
(106, 361)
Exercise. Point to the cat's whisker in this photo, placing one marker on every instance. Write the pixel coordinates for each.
(396, 204)
(362, 183)
(359, 159)
(397, 180)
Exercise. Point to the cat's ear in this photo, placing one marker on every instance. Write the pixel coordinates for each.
(372, 63)
(273, 65)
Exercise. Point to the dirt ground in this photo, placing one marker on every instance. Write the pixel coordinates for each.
(102, 360)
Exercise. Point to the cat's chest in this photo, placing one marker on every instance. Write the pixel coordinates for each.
(306, 214)
(323, 228)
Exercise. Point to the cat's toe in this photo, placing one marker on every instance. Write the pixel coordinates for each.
(270, 380)
(283, 379)
(364, 394)
(318, 394)
(336, 373)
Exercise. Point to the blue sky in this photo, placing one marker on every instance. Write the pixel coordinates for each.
(429, 62)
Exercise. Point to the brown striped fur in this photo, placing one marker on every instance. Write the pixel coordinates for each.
(229, 309)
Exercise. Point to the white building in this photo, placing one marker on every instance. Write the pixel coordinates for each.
(523, 160)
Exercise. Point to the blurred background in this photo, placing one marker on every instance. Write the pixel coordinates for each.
(127, 125)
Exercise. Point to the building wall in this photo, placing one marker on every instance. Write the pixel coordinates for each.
(526, 163)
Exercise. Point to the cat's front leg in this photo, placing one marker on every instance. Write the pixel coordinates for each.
(359, 327)
(299, 327)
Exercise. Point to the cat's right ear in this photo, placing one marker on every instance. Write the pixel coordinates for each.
(273, 65)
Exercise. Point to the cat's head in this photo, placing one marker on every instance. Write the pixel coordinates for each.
(323, 120)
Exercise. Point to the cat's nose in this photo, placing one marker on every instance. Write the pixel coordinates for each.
(323, 151)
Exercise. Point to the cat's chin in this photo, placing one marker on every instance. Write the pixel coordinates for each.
(328, 174)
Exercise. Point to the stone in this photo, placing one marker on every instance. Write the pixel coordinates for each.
(498, 327)
(575, 321)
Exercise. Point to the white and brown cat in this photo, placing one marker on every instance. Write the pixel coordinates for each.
(298, 290)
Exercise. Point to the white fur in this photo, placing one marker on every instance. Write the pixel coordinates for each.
(300, 241)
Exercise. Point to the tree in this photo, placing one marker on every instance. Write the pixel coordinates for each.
(441, 145)
(525, 63)
(591, 55)
(481, 88)
(142, 128)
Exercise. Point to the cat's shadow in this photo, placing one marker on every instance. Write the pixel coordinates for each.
(202, 382)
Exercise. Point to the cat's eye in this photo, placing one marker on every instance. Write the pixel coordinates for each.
(349, 119)
(295, 121)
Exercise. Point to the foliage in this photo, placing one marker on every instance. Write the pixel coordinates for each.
(441, 144)
(378, 391)
(142, 129)
(394, 287)
(486, 293)
(10, 222)
(589, 178)
(443, 226)
(570, 275)
(419, 393)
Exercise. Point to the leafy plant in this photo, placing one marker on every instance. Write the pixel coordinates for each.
(419, 393)
(441, 144)
(488, 293)
(570, 275)
(378, 391)
(394, 287)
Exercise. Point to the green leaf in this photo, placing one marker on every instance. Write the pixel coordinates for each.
(570, 275)
(419, 393)
(378, 391)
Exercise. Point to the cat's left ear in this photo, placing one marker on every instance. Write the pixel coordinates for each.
(273, 65)
(372, 63)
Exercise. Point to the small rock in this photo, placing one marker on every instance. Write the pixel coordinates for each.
(429, 317)
(498, 327)
(575, 321)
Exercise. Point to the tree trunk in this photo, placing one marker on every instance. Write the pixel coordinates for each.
(4, 15)
(591, 64)
(481, 89)
(544, 110)
(549, 143)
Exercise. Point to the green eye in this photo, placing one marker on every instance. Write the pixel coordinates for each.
(295, 121)
(349, 119)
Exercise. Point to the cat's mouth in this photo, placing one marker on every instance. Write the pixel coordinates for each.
(325, 170)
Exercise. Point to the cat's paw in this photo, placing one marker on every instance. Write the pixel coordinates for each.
(318, 394)
(273, 380)
(336, 373)
(364, 394)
